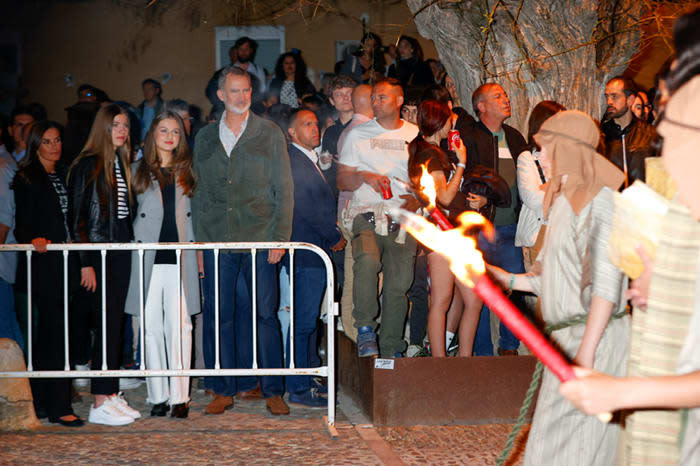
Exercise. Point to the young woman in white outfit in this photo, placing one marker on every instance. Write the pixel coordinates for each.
(163, 182)
(533, 172)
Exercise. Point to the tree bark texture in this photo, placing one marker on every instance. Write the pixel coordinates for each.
(562, 50)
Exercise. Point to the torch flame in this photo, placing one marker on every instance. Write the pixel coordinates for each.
(466, 261)
(428, 186)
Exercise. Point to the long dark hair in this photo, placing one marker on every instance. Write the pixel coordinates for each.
(432, 117)
(540, 113)
(149, 169)
(100, 146)
(377, 52)
(417, 49)
(30, 165)
(301, 82)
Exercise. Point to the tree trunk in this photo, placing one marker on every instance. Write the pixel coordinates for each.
(562, 50)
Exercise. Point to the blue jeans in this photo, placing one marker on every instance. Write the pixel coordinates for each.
(9, 328)
(501, 253)
(309, 284)
(236, 322)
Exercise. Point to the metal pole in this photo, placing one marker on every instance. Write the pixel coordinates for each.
(332, 311)
(291, 309)
(29, 310)
(178, 253)
(217, 363)
(141, 312)
(253, 253)
(66, 364)
(103, 254)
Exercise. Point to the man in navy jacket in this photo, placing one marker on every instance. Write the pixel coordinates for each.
(314, 222)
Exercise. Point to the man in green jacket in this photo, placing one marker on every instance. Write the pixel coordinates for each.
(244, 194)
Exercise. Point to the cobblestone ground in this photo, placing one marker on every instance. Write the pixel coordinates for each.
(248, 434)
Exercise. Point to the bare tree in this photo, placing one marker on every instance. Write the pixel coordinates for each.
(563, 50)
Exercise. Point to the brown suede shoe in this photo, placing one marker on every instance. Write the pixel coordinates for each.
(219, 404)
(277, 406)
(507, 352)
(254, 394)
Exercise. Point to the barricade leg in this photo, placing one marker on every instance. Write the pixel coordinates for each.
(310, 283)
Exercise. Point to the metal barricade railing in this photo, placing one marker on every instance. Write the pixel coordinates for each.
(330, 306)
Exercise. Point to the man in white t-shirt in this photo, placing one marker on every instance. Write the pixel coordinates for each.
(372, 155)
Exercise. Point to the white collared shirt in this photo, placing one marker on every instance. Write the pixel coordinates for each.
(312, 155)
(228, 138)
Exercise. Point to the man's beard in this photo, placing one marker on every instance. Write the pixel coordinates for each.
(236, 109)
(612, 113)
(243, 59)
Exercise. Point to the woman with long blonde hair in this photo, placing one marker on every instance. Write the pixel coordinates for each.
(163, 183)
(100, 212)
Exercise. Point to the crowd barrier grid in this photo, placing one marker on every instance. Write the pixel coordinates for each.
(331, 308)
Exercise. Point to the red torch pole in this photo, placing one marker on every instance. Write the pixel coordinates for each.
(523, 329)
(440, 220)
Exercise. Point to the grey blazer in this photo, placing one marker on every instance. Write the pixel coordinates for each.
(147, 224)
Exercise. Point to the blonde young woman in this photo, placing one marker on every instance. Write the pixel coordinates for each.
(100, 212)
(163, 183)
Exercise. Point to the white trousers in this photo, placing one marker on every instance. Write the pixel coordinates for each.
(164, 350)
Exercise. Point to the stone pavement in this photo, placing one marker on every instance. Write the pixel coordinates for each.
(248, 434)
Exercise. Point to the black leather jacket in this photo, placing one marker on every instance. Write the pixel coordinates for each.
(482, 149)
(92, 209)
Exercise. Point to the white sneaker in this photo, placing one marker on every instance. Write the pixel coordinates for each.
(129, 383)
(412, 351)
(81, 383)
(108, 415)
(120, 403)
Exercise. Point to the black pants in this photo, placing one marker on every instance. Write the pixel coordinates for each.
(118, 270)
(81, 320)
(48, 353)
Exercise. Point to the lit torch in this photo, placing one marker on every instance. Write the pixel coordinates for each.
(467, 264)
(428, 185)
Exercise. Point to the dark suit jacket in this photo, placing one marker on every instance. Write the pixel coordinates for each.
(314, 209)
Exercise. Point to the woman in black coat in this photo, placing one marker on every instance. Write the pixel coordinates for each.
(41, 210)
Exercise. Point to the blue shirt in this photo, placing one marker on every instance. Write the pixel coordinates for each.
(8, 168)
(18, 155)
(149, 113)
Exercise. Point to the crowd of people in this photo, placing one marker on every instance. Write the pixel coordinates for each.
(279, 161)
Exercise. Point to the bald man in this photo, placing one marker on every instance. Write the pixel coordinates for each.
(362, 105)
(362, 110)
(373, 154)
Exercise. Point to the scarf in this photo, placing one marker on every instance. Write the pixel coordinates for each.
(570, 139)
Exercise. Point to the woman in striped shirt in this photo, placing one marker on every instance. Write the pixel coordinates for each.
(100, 212)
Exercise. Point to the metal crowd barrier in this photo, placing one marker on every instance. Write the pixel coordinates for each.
(330, 306)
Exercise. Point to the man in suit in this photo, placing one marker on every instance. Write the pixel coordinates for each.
(315, 223)
(245, 193)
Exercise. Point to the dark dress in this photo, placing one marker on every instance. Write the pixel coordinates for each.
(411, 72)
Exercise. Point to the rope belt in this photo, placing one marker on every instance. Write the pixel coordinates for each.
(535, 382)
